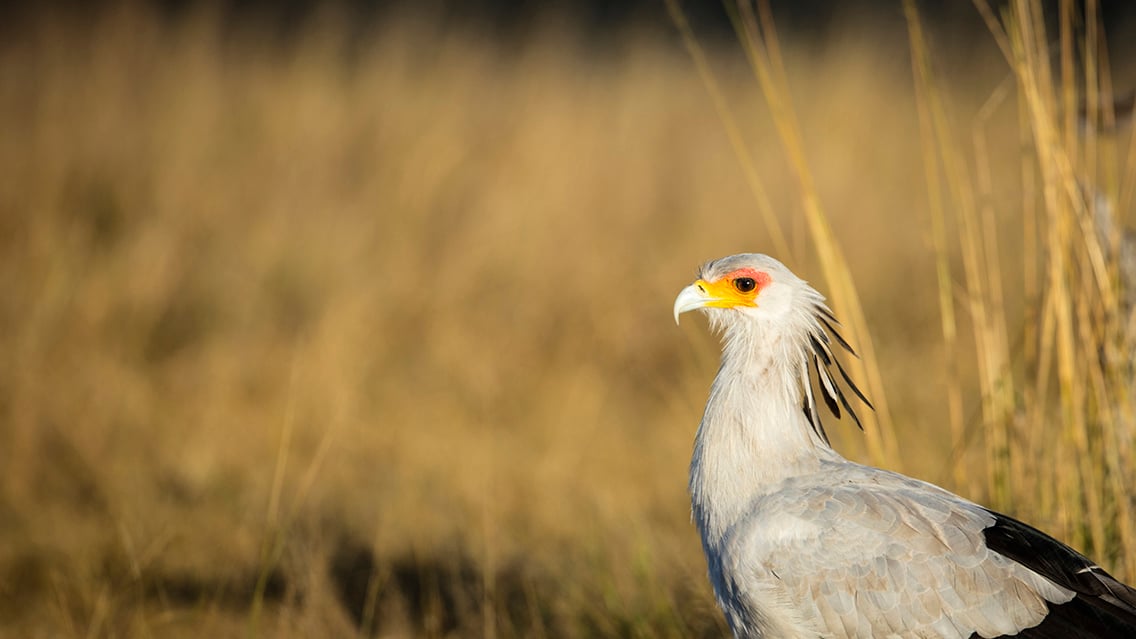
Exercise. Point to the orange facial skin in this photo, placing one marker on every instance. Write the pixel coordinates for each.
(731, 290)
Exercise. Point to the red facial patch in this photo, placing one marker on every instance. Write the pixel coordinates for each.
(761, 277)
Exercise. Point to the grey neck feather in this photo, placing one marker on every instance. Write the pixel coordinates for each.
(753, 434)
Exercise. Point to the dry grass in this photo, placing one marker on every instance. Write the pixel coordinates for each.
(387, 323)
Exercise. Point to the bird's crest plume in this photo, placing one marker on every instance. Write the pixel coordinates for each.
(823, 361)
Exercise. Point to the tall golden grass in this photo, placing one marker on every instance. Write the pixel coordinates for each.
(344, 335)
(1075, 333)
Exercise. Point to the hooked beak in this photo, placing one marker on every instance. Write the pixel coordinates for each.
(690, 298)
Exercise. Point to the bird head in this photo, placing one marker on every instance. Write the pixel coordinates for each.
(772, 320)
(747, 286)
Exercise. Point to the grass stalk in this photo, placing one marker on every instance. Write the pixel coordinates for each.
(982, 295)
(759, 38)
(926, 94)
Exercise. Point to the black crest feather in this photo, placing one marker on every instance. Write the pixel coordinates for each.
(823, 359)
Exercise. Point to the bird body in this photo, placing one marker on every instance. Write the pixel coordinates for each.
(801, 542)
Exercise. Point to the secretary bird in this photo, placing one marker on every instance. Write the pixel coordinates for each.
(801, 542)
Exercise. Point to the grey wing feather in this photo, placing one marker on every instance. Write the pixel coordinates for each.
(892, 557)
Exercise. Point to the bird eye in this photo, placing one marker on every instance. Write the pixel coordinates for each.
(745, 284)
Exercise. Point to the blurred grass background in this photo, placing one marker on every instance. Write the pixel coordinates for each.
(368, 330)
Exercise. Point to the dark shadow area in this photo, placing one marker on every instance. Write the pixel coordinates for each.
(600, 21)
(186, 590)
(436, 595)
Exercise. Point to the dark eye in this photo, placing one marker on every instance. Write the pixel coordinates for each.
(745, 284)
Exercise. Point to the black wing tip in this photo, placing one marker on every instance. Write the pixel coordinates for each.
(1080, 618)
(1100, 602)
